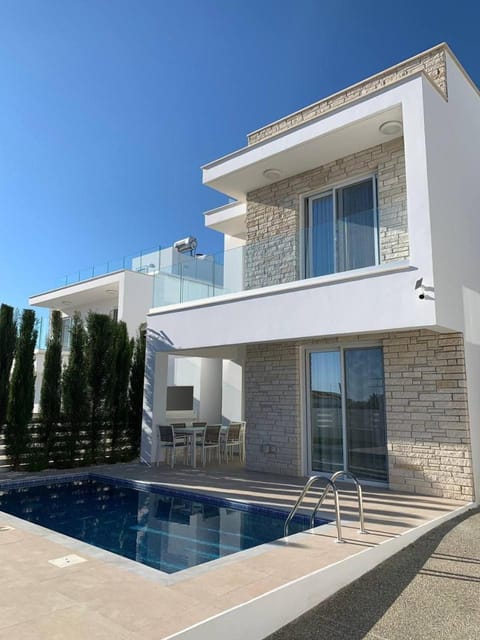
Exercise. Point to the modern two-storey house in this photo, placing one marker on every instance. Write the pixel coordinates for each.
(350, 338)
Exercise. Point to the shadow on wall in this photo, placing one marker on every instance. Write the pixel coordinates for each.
(157, 342)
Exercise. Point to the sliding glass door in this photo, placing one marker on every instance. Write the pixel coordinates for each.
(341, 229)
(346, 398)
(326, 411)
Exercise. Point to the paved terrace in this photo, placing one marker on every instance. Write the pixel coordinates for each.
(108, 597)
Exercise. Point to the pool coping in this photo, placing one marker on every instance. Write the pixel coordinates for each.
(262, 615)
(134, 566)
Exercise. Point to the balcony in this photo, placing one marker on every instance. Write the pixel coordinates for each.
(362, 240)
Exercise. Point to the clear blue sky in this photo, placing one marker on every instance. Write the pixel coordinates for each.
(108, 108)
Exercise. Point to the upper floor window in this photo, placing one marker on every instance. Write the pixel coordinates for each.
(341, 229)
(66, 329)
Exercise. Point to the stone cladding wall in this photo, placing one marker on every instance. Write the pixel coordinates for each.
(428, 434)
(432, 63)
(427, 414)
(274, 215)
(272, 408)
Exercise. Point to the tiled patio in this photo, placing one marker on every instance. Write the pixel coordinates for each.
(107, 597)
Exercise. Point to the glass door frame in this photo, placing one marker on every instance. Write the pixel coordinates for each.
(305, 352)
(305, 207)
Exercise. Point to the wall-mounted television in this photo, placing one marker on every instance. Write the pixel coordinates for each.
(179, 398)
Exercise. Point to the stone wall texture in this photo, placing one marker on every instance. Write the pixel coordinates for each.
(272, 406)
(428, 434)
(432, 63)
(427, 414)
(275, 213)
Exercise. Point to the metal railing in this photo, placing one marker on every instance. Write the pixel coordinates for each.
(333, 487)
(347, 474)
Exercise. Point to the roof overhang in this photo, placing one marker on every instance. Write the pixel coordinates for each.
(323, 140)
(77, 295)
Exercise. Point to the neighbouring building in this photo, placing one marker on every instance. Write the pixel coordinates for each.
(126, 290)
(350, 333)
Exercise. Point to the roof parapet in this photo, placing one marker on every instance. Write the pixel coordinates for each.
(431, 62)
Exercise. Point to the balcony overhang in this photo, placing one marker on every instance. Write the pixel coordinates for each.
(77, 295)
(229, 219)
(326, 139)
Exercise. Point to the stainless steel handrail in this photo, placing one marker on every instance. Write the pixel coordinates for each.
(330, 485)
(348, 474)
(333, 478)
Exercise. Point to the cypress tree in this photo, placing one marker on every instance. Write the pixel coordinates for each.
(135, 391)
(74, 388)
(118, 397)
(22, 389)
(99, 352)
(50, 394)
(8, 337)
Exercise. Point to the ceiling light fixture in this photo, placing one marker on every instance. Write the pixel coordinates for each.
(390, 127)
(272, 174)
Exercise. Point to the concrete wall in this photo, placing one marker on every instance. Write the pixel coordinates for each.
(275, 214)
(427, 416)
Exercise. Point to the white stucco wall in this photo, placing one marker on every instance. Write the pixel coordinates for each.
(453, 143)
(381, 303)
(38, 368)
(211, 391)
(233, 264)
(162, 370)
(135, 299)
(232, 389)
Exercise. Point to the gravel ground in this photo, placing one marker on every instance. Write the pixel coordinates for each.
(430, 590)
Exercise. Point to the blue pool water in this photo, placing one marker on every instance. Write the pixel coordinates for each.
(167, 530)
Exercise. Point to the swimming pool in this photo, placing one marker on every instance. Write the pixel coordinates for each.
(167, 529)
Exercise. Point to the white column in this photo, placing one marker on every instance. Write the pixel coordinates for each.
(154, 397)
(211, 390)
(232, 389)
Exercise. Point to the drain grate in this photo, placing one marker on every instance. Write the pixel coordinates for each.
(66, 561)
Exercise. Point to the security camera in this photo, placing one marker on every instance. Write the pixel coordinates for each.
(420, 289)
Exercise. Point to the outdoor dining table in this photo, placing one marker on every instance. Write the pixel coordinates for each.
(191, 433)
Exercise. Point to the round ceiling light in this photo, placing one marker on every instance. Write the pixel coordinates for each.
(272, 174)
(390, 127)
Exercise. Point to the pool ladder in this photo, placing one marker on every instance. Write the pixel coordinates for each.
(331, 485)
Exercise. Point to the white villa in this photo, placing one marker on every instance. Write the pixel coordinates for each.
(350, 334)
(164, 276)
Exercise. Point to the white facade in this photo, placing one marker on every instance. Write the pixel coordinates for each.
(441, 138)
